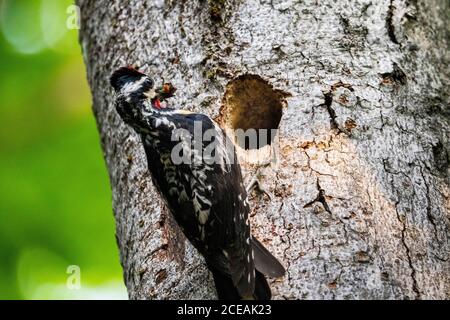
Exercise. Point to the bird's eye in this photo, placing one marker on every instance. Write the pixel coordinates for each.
(148, 82)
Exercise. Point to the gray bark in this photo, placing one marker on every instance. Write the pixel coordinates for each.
(361, 185)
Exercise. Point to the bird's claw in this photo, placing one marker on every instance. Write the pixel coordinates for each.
(256, 183)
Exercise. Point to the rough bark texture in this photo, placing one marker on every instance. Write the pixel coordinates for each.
(361, 187)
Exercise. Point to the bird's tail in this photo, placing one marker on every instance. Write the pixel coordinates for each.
(227, 291)
(265, 262)
(262, 289)
(265, 265)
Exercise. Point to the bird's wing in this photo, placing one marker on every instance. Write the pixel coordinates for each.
(227, 231)
(233, 209)
(218, 200)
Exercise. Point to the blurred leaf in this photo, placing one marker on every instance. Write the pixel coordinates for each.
(20, 21)
(55, 200)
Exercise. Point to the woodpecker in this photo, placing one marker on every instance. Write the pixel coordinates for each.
(207, 198)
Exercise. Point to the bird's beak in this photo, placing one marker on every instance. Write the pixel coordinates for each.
(156, 103)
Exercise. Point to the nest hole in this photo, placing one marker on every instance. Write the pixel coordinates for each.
(253, 109)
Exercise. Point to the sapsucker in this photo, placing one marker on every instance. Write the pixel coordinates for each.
(207, 198)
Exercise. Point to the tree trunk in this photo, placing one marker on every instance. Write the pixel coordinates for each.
(359, 93)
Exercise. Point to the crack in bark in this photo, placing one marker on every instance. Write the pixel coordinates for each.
(390, 23)
(314, 170)
(415, 286)
(328, 97)
(402, 220)
(429, 214)
(328, 102)
(288, 245)
(320, 198)
(397, 76)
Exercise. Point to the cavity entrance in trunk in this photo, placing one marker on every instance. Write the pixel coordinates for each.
(253, 109)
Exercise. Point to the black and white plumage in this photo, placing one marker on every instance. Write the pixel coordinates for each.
(207, 198)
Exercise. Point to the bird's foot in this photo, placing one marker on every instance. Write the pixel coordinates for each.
(256, 184)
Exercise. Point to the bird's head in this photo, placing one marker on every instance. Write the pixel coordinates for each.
(136, 91)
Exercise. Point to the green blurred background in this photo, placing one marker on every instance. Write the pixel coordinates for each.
(55, 199)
